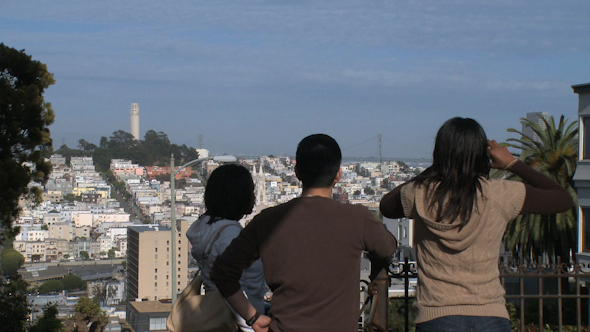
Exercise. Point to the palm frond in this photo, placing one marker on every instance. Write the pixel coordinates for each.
(555, 155)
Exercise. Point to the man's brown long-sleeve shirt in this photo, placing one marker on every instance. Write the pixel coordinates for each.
(310, 249)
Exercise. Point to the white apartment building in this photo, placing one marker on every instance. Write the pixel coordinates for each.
(52, 218)
(31, 233)
(102, 218)
(61, 231)
(31, 251)
(82, 219)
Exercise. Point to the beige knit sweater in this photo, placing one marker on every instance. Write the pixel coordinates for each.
(458, 266)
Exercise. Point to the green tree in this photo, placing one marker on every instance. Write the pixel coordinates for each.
(111, 253)
(73, 282)
(14, 305)
(11, 261)
(369, 191)
(24, 131)
(51, 286)
(48, 322)
(87, 313)
(84, 255)
(555, 155)
(121, 139)
(104, 142)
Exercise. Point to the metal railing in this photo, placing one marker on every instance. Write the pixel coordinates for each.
(547, 289)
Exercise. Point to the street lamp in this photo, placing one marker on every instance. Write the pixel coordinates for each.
(173, 172)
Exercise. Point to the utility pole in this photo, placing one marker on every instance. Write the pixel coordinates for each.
(380, 157)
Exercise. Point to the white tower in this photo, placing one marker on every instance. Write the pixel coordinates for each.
(135, 120)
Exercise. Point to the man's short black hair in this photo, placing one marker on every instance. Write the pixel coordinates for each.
(318, 161)
(229, 193)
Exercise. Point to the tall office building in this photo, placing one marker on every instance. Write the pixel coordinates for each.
(149, 261)
(134, 127)
(536, 117)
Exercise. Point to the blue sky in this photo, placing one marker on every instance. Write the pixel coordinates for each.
(254, 77)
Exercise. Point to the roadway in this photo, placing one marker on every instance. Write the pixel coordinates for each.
(115, 261)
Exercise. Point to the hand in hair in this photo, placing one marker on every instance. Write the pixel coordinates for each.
(500, 156)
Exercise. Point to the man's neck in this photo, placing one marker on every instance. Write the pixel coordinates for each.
(322, 192)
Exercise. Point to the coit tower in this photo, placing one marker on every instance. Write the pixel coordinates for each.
(135, 120)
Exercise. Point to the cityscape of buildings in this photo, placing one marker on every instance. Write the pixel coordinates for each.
(119, 240)
(87, 226)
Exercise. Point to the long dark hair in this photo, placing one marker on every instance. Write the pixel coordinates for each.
(229, 193)
(460, 160)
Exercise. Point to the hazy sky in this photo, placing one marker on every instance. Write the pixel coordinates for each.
(254, 77)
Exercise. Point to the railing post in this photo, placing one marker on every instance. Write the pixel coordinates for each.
(381, 285)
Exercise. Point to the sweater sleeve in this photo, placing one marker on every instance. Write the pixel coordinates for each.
(239, 255)
(543, 195)
(391, 204)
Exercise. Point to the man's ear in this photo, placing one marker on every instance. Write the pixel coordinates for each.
(338, 176)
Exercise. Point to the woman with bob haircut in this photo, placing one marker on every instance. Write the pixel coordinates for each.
(460, 216)
(229, 196)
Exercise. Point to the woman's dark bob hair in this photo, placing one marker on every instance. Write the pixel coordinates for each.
(229, 193)
(460, 160)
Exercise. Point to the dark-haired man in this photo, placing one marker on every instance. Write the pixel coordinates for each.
(310, 249)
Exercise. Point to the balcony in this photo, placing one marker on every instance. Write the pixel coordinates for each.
(539, 297)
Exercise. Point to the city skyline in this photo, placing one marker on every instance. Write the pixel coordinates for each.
(254, 78)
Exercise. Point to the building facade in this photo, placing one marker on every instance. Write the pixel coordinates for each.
(149, 262)
(582, 175)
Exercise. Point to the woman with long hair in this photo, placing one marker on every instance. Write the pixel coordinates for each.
(229, 196)
(460, 216)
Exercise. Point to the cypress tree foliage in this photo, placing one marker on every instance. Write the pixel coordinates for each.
(554, 154)
(24, 132)
(48, 322)
(14, 305)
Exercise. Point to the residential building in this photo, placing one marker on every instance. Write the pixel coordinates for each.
(148, 315)
(582, 175)
(149, 268)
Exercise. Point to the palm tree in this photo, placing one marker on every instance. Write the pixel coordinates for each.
(554, 154)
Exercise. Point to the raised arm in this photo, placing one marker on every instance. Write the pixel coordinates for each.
(543, 195)
(391, 204)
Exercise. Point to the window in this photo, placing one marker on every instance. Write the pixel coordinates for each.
(156, 249)
(155, 277)
(155, 270)
(155, 284)
(586, 123)
(586, 229)
(157, 324)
